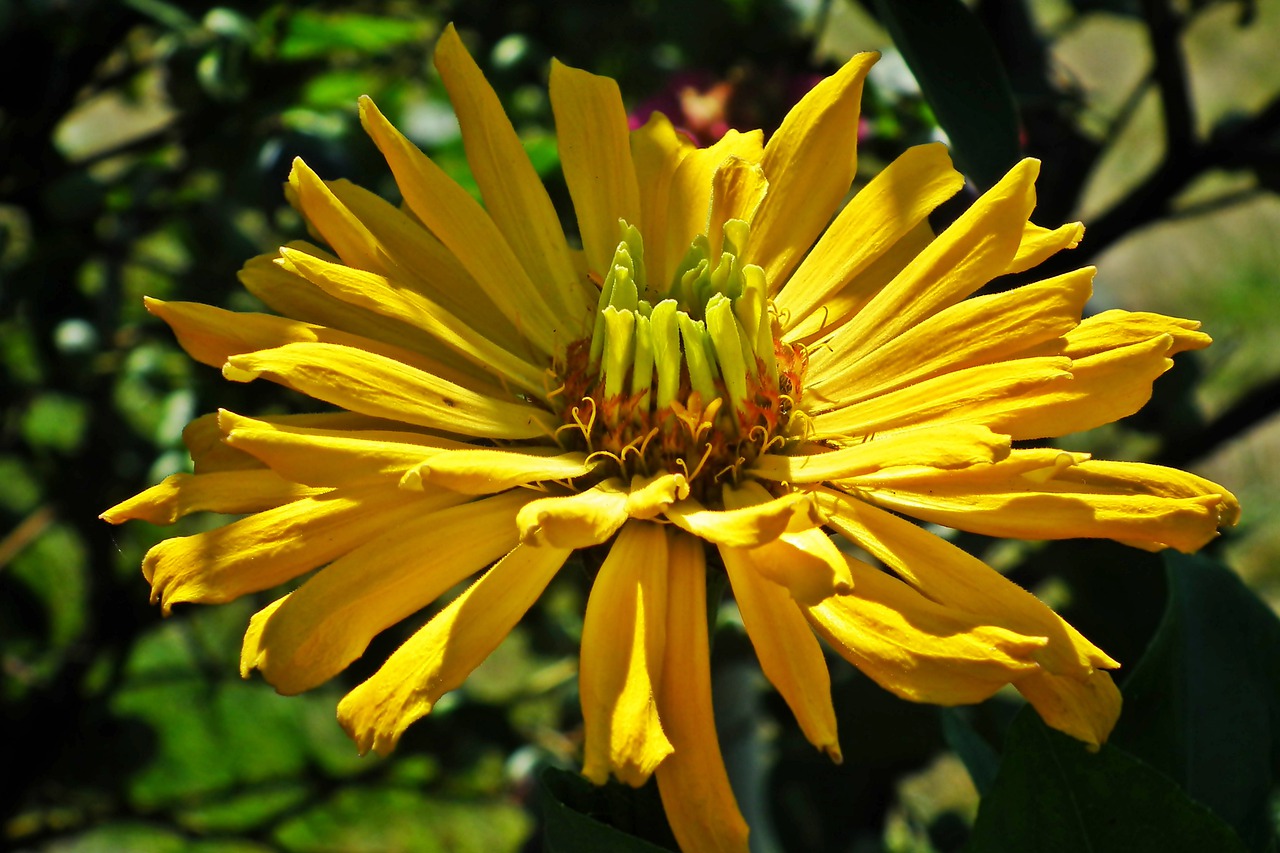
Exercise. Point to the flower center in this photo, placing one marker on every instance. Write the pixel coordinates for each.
(695, 382)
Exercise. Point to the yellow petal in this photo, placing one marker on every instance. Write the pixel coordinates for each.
(1038, 244)
(973, 250)
(802, 559)
(441, 654)
(650, 496)
(595, 153)
(328, 622)
(463, 226)
(463, 348)
(737, 188)
(233, 492)
(576, 520)
(419, 262)
(880, 215)
(656, 150)
(918, 649)
(689, 199)
(788, 652)
(321, 457)
(623, 640)
(1020, 508)
(486, 471)
(277, 545)
(956, 579)
(1085, 708)
(966, 395)
(292, 296)
(1115, 329)
(1156, 480)
(749, 526)
(947, 446)
(382, 387)
(810, 162)
(1105, 387)
(513, 193)
(980, 330)
(209, 454)
(334, 222)
(212, 335)
(692, 781)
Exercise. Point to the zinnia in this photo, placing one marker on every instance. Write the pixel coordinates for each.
(723, 368)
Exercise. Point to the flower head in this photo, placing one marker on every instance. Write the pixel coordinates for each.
(723, 369)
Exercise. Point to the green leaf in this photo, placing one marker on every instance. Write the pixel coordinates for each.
(963, 80)
(311, 35)
(1054, 796)
(977, 755)
(566, 797)
(1203, 705)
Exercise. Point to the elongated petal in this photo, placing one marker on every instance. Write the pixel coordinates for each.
(485, 471)
(623, 642)
(421, 263)
(980, 330)
(973, 250)
(1115, 329)
(749, 526)
(918, 649)
(875, 219)
(1156, 480)
(321, 457)
(328, 622)
(232, 492)
(1020, 510)
(468, 349)
(956, 579)
(1038, 244)
(277, 545)
(968, 395)
(293, 296)
(212, 335)
(656, 151)
(1105, 387)
(948, 446)
(209, 454)
(692, 780)
(383, 387)
(810, 162)
(1085, 708)
(575, 520)
(595, 152)
(443, 653)
(327, 216)
(462, 225)
(513, 193)
(737, 188)
(788, 651)
(689, 198)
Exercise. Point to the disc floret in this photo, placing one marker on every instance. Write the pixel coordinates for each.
(683, 379)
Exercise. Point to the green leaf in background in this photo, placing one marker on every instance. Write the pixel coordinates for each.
(312, 35)
(1054, 796)
(565, 797)
(1203, 706)
(979, 758)
(963, 80)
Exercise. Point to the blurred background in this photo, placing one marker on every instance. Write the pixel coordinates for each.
(143, 147)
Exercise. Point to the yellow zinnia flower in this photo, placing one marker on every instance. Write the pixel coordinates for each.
(723, 367)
